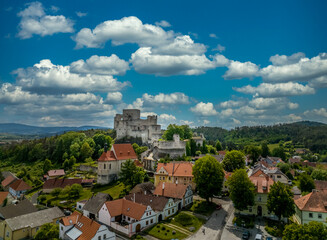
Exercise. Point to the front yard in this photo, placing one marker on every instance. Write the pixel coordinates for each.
(203, 207)
(162, 231)
(113, 189)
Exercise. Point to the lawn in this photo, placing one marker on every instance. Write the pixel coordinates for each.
(186, 220)
(273, 146)
(164, 232)
(113, 189)
(202, 207)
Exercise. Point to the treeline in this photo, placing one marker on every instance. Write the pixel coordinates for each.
(302, 134)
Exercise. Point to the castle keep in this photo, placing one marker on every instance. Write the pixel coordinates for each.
(130, 124)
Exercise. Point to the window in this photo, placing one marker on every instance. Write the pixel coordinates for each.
(279, 176)
(147, 222)
(62, 228)
(7, 234)
(173, 210)
(169, 211)
(104, 166)
(310, 215)
(259, 199)
(57, 222)
(169, 178)
(151, 221)
(163, 178)
(99, 238)
(250, 209)
(159, 178)
(319, 215)
(37, 229)
(110, 166)
(104, 236)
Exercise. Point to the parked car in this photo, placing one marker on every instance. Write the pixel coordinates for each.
(246, 235)
(258, 237)
(269, 238)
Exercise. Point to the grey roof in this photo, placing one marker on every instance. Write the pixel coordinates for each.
(296, 191)
(14, 210)
(142, 187)
(6, 174)
(94, 204)
(35, 219)
(157, 203)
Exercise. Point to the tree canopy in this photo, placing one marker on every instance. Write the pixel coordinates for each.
(311, 231)
(208, 176)
(233, 160)
(306, 183)
(48, 231)
(280, 200)
(130, 174)
(241, 190)
(184, 132)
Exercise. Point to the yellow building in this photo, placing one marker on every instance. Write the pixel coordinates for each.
(174, 172)
(26, 226)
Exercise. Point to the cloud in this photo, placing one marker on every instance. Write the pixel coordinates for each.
(322, 113)
(319, 82)
(281, 60)
(114, 97)
(304, 70)
(232, 104)
(81, 14)
(145, 62)
(10, 94)
(35, 21)
(206, 122)
(54, 9)
(204, 109)
(212, 35)
(167, 117)
(101, 65)
(219, 48)
(239, 70)
(163, 23)
(276, 90)
(47, 77)
(126, 30)
(272, 103)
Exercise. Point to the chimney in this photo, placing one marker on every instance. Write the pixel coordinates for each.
(105, 147)
(163, 188)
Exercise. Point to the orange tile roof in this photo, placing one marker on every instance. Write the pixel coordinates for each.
(259, 173)
(57, 172)
(20, 185)
(262, 182)
(8, 180)
(72, 219)
(316, 201)
(172, 190)
(125, 207)
(3, 196)
(88, 227)
(227, 174)
(107, 156)
(124, 151)
(182, 169)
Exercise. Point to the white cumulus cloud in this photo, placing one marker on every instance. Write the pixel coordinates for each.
(204, 109)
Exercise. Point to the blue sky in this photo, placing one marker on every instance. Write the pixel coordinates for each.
(212, 63)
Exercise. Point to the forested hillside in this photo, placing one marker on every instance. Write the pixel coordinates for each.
(310, 135)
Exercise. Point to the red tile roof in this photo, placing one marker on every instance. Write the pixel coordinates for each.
(182, 169)
(227, 174)
(316, 201)
(56, 173)
(222, 153)
(320, 185)
(3, 196)
(60, 183)
(20, 185)
(88, 227)
(8, 180)
(262, 183)
(259, 173)
(119, 152)
(72, 219)
(125, 207)
(171, 190)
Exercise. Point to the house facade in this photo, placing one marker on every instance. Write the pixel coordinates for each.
(127, 217)
(18, 188)
(110, 162)
(175, 172)
(311, 207)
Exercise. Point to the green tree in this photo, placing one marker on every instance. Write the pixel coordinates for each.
(306, 183)
(233, 160)
(183, 131)
(204, 149)
(130, 174)
(218, 146)
(188, 149)
(284, 167)
(56, 192)
(86, 151)
(140, 150)
(75, 150)
(311, 231)
(135, 146)
(47, 165)
(265, 149)
(193, 147)
(208, 176)
(48, 231)
(75, 191)
(319, 174)
(37, 153)
(280, 200)
(254, 152)
(241, 190)
(279, 152)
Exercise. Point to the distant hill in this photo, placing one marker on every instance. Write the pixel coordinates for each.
(22, 129)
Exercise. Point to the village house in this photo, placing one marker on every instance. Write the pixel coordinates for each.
(56, 173)
(182, 194)
(14, 210)
(110, 162)
(7, 181)
(51, 184)
(175, 172)
(162, 206)
(262, 185)
(93, 205)
(3, 197)
(18, 188)
(127, 217)
(320, 185)
(79, 227)
(270, 161)
(273, 172)
(145, 187)
(311, 207)
(25, 226)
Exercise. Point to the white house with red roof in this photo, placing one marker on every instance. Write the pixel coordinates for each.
(18, 188)
(79, 227)
(127, 217)
(110, 162)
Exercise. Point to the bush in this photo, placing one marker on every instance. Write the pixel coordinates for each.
(163, 228)
(184, 219)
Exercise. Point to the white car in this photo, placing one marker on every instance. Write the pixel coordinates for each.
(258, 237)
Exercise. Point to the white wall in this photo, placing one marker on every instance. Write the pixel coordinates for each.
(103, 230)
